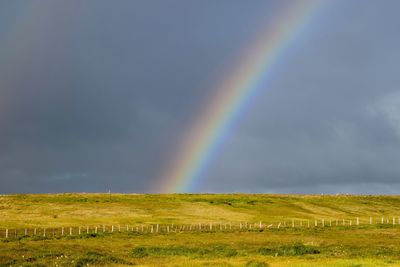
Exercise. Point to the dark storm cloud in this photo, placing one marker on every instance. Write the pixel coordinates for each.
(329, 121)
(97, 95)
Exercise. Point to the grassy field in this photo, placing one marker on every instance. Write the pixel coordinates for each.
(364, 245)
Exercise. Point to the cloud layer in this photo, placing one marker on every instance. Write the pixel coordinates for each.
(96, 96)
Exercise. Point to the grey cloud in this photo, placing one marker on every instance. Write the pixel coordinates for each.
(97, 95)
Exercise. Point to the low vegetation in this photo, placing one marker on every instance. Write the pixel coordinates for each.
(363, 245)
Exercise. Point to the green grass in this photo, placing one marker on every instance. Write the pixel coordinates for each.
(364, 245)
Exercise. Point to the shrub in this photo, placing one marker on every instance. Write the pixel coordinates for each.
(296, 249)
(256, 264)
(139, 252)
(98, 259)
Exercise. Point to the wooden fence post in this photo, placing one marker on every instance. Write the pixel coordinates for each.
(6, 233)
(323, 222)
(112, 228)
(95, 230)
(62, 231)
(293, 223)
(79, 230)
(34, 232)
(358, 221)
(70, 231)
(44, 232)
(370, 220)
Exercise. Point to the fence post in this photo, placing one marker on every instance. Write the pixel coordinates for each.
(44, 232)
(358, 221)
(34, 232)
(316, 223)
(370, 220)
(210, 226)
(95, 230)
(70, 231)
(127, 228)
(292, 222)
(79, 231)
(112, 228)
(323, 222)
(394, 221)
(382, 219)
(62, 231)
(26, 232)
(6, 233)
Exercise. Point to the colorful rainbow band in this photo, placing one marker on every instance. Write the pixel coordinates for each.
(232, 96)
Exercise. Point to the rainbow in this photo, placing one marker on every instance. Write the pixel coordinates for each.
(232, 96)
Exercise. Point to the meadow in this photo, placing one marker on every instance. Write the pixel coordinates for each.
(375, 241)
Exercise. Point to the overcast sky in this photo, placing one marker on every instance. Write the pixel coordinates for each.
(97, 96)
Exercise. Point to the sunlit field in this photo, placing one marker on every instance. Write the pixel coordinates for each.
(246, 230)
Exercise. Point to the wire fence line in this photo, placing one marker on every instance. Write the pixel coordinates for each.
(70, 231)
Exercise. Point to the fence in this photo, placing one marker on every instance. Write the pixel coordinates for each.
(198, 227)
